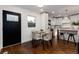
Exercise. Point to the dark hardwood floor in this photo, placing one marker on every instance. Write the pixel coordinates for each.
(26, 48)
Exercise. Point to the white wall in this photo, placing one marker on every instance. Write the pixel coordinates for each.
(26, 32)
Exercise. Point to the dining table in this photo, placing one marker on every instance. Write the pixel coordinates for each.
(42, 35)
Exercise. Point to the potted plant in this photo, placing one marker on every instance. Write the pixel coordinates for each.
(75, 25)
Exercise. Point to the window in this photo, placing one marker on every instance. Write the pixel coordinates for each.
(13, 18)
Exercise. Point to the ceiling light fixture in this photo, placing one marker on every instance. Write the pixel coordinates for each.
(41, 9)
(40, 5)
(53, 12)
(66, 18)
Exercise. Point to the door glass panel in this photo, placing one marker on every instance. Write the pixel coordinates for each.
(13, 18)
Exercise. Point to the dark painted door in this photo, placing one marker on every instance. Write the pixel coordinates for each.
(11, 28)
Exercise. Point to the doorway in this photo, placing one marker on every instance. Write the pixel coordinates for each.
(11, 28)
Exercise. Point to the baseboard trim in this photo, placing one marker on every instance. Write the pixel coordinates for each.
(12, 45)
(27, 41)
(17, 44)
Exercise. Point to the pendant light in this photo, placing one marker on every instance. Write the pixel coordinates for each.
(66, 19)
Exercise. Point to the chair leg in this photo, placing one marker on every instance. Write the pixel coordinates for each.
(74, 40)
(33, 43)
(68, 39)
(50, 42)
(47, 44)
(38, 42)
(63, 38)
(43, 45)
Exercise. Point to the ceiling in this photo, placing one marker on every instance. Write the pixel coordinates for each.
(58, 9)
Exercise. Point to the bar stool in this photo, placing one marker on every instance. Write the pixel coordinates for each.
(71, 35)
(62, 34)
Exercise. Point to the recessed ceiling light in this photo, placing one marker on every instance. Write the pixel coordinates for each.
(59, 15)
(53, 12)
(40, 5)
(41, 10)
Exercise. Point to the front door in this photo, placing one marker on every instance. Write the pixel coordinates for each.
(11, 28)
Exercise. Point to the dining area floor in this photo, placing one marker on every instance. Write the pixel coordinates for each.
(26, 48)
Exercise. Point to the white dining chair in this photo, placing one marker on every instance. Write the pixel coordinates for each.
(36, 39)
(37, 36)
(48, 39)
